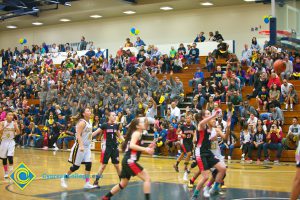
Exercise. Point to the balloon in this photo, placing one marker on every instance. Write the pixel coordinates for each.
(24, 41)
(270, 16)
(21, 40)
(137, 31)
(265, 17)
(132, 34)
(266, 20)
(132, 30)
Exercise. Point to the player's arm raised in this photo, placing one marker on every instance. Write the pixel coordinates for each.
(79, 129)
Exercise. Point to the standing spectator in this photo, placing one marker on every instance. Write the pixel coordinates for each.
(82, 44)
(259, 140)
(246, 56)
(274, 138)
(172, 141)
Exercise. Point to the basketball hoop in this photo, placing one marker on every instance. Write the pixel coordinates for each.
(280, 33)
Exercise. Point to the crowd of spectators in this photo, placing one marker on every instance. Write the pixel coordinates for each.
(127, 84)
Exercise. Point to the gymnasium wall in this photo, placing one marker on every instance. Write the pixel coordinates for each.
(234, 22)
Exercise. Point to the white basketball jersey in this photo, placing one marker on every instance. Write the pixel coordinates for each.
(86, 134)
(8, 131)
(215, 148)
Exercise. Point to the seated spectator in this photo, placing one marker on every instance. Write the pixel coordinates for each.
(175, 111)
(211, 36)
(246, 56)
(90, 53)
(252, 121)
(221, 51)
(291, 99)
(274, 138)
(274, 79)
(181, 50)
(218, 36)
(296, 71)
(200, 37)
(274, 93)
(66, 136)
(293, 136)
(177, 92)
(128, 43)
(228, 144)
(177, 64)
(246, 140)
(139, 42)
(54, 133)
(288, 69)
(218, 75)
(262, 99)
(277, 114)
(284, 89)
(193, 55)
(254, 44)
(236, 100)
(210, 62)
(173, 53)
(259, 140)
(35, 134)
(198, 78)
(172, 141)
(160, 137)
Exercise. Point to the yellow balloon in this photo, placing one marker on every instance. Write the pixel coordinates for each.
(21, 41)
(131, 34)
(137, 31)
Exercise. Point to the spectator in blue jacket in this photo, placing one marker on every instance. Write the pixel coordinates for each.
(35, 134)
(139, 42)
(200, 37)
(160, 137)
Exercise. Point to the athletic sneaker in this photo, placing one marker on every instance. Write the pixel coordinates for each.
(276, 162)
(249, 161)
(105, 198)
(64, 182)
(186, 176)
(6, 175)
(212, 191)
(266, 161)
(229, 157)
(243, 157)
(96, 184)
(176, 168)
(206, 192)
(87, 185)
(190, 184)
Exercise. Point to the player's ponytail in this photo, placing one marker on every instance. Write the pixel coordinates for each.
(130, 130)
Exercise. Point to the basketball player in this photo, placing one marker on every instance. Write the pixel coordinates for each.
(130, 167)
(81, 151)
(109, 145)
(186, 131)
(204, 156)
(8, 130)
(296, 187)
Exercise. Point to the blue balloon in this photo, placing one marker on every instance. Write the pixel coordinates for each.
(132, 30)
(266, 20)
(24, 41)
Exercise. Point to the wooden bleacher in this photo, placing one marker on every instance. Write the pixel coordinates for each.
(187, 74)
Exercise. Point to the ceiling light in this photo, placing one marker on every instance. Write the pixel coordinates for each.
(64, 20)
(166, 8)
(37, 23)
(95, 16)
(207, 4)
(129, 12)
(11, 26)
(68, 4)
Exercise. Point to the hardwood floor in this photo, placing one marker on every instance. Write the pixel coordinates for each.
(42, 163)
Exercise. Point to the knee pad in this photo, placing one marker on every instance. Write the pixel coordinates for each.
(4, 161)
(10, 160)
(74, 168)
(120, 186)
(193, 165)
(214, 173)
(88, 166)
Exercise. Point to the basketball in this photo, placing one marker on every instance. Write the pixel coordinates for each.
(279, 66)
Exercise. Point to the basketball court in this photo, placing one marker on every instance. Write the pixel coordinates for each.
(243, 181)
